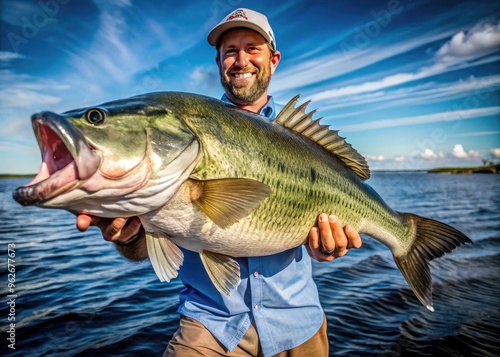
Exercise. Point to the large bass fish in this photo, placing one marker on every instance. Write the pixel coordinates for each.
(209, 177)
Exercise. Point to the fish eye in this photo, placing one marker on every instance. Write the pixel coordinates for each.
(95, 116)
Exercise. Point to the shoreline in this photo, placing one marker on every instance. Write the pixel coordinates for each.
(17, 175)
(491, 169)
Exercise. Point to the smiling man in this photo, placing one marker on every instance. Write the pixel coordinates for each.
(246, 63)
(275, 310)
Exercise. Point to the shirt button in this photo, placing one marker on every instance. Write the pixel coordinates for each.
(256, 274)
(256, 306)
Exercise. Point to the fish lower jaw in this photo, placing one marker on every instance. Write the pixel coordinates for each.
(46, 186)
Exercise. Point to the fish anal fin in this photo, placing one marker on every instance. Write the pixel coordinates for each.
(433, 239)
(226, 201)
(296, 119)
(223, 270)
(166, 257)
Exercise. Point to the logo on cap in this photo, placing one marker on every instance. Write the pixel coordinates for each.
(238, 14)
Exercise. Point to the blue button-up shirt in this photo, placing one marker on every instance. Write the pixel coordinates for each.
(276, 292)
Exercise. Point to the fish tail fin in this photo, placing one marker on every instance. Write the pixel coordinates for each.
(432, 240)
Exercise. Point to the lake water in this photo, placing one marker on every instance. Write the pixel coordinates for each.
(75, 296)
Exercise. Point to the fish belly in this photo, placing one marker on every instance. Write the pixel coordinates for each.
(188, 227)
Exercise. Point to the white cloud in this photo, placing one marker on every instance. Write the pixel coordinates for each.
(429, 159)
(459, 152)
(474, 154)
(482, 39)
(374, 157)
(429, 154)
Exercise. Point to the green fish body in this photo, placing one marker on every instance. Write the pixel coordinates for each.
(209, 177)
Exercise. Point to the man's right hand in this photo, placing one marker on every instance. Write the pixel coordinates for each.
(117, 230)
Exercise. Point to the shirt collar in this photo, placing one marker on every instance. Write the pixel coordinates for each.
(269, 110)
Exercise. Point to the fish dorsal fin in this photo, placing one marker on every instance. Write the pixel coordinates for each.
(301, 122)
(224, 271)
(226, 201)
(166, 258)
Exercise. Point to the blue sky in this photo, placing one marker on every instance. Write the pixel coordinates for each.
(411, 84)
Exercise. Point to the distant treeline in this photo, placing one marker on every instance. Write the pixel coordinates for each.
(16, 175)
(491, 169)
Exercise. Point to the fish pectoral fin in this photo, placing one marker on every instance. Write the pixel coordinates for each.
(223, 270)
(226, 201)
(166, 257)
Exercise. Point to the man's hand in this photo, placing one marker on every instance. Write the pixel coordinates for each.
(330, 240)
(117, 230)
(126, 233)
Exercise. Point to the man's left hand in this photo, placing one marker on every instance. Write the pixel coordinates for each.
(330, 240)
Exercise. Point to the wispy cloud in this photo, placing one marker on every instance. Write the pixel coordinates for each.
(347, 60)
(206, 77)
(13, 11)
(98, 60)
(128, 44)
(476, 133)
(428, 92)
(7, 56)
(15, 98)
(25, 91)
(425, 119)
(481, 40)
(336, 64)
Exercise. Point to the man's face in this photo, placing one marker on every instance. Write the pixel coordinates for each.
(245, 65)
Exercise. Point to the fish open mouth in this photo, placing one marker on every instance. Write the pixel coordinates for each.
(67, 160)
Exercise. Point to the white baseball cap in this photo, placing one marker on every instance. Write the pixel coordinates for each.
(243, 18)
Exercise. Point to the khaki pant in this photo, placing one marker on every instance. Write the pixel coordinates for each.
(194, 340)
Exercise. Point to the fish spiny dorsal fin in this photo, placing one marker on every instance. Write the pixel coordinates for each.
(301, 122)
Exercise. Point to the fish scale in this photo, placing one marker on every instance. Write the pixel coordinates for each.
(291, 178)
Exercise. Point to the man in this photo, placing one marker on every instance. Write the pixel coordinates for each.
(275, 310)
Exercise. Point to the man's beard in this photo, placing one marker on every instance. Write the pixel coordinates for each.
(246, 95)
